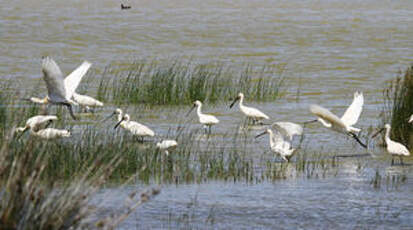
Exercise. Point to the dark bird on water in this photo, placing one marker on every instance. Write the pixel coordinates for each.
(124, 7)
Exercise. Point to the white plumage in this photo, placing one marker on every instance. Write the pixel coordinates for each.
(251, 113)
(411, 119)
(346, 122)
(53, 75)
(133, 127)
(36, 121)
(86, 101)
(330, 120)
(288, 129)
(167, 145)
(206, 119)
(50, 133)
(57, 92)
(393, 148)
(280, 140)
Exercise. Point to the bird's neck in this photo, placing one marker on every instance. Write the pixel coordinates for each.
(241, 102)
(387, 136)
(271, 134)
(198, 110)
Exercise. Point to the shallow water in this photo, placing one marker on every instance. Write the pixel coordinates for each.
(331, 48)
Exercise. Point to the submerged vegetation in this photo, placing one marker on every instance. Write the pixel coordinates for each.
(178, 82)
(398, 107)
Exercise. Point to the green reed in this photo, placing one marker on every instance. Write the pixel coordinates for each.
(178, 82)
(398, 106)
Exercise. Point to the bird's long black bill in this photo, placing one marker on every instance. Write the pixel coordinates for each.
(309, 122)
(69, 107)
(233, 103)
(358, 140)
(261, 134)
(377, 133)
(190, 111)
(117, 124)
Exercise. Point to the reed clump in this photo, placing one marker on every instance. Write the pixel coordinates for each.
(398, 107)
(28, 201)
(177, 82)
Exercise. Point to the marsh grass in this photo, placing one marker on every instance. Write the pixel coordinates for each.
(398, 106)
(178, 82)
(28, 201)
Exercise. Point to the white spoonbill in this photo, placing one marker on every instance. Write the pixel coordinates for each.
(330, 120)
(350, 117)
(206, 119)
(71, 82)
(393, 148)
(58, 92)
(50, 133)
(86, 101)
(251, 113)
(35, 122)
(134, 127)
(167, 145)
(280, 141)
(288, 129)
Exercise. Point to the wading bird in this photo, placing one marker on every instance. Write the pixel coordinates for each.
(206, 119)
(393, 148)
(252, 113)
(134, 127)
(280, 141)
(35, 122)
(330, 120)
(167, 146)
(349, 118)
(71, 82)
(86, 101)
(59, 92)
(50, 133)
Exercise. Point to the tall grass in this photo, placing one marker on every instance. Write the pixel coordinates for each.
(398, 107)
(177, 82)
(28, 201)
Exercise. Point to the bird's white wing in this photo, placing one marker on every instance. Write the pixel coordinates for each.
(73, 79)
(353, 112)
(53, 77)
(279, 141)
(326, 115)
(288, 129)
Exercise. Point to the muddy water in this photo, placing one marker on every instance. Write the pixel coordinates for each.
(330, 48)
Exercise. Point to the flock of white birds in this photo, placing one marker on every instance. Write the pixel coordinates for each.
(62, 91)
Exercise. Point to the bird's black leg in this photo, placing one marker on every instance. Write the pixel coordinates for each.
(392, 160)
(69, 107)
(358, 140)
(401, 160)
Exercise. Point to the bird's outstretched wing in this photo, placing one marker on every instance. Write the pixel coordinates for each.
(72, 81)
(53, 77)
(326, 115)
(288, 129)
(353, 112)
